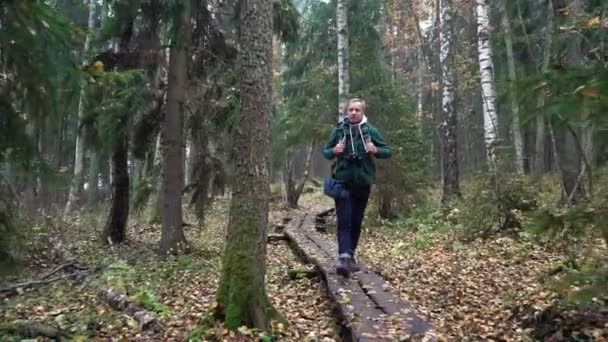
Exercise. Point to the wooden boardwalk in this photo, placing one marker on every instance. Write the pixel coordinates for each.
(369, 310)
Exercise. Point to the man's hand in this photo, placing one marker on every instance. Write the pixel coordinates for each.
(371, 148)
(339, 148)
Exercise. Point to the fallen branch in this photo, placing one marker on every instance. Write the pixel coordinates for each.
(19, 288)
(119, 301)
(26, 329)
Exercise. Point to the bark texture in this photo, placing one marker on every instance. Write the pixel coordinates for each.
(451, 183)
(571, 158)
(488, 88)
(518, 144)
(540, 141)
(343, 56)
(116, 223)
(76, 184)
(172, 238)
(119, 211)
(293, 189)
(242, 295)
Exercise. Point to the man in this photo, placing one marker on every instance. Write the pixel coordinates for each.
(354, 143)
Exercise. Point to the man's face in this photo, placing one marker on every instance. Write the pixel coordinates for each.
(355, 112)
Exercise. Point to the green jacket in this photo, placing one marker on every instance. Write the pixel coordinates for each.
(355, 166)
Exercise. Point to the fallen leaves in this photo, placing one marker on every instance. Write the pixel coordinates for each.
(467, 290)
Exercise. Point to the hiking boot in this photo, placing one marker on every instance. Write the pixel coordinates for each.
(344, 267)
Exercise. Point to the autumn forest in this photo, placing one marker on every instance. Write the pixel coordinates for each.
(164, 169)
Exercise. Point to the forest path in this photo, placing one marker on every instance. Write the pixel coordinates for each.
(368, 309)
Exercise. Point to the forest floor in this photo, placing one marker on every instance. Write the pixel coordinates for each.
(485, 289)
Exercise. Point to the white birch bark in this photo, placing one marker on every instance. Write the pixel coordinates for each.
(450, 174)
(488, 90)
(515, 128)
(343, 57)
(76, 184)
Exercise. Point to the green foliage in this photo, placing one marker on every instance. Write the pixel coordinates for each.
(584, 284)
(37, 73)
(309, 99)
(285, 20)
(150, 301)
(112, 98)
(399, 181)
(491, 206)
(578, 231)
(152, 214)
(141, 193)
(125, 277)
(120, 275)
(309, 108)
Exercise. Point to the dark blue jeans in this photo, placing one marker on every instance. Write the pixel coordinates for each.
(350, 209)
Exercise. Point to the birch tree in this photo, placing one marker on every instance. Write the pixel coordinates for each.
(451, 183)
(518, 144)
(76, 184)
(172, 236)
(343, 59)
(488, 89)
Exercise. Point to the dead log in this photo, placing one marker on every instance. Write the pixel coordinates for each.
(121, 302)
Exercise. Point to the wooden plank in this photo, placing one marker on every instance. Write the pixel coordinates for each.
(390, 303)
(359, 313)
(374, 286)
(369, 309)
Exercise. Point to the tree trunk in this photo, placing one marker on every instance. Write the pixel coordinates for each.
(172, 239)
(294, 190)
(119, 212)
(116, 223)
(488, 89)
(539, 146)
(242, 295)
(76, 184)
(93, 179)
(451, 183)
(518, 144)
(343, 57)
(571, 156)
(420, 89)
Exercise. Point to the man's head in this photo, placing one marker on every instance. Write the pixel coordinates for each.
(355, 110)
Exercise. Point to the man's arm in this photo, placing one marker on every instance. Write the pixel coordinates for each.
(383, 150)
(328, 150)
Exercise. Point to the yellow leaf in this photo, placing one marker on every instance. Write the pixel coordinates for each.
(98, 65)
(595, 21)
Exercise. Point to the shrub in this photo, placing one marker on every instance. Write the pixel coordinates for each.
(490, 207)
